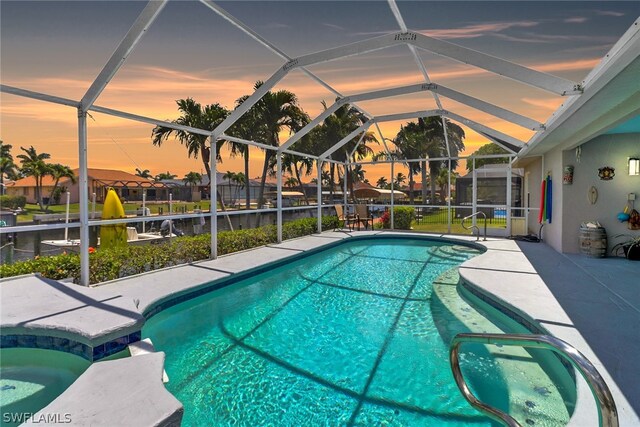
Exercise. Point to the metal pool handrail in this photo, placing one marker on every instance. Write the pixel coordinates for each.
(607, 412)
(475, 226)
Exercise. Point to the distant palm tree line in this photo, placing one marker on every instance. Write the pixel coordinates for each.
(34, 164)
(279, 111)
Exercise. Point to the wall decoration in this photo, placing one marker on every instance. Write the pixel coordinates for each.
(592, 195)
(567, 176)
(606, 173)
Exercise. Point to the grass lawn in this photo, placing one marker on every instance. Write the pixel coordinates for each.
(436, 222)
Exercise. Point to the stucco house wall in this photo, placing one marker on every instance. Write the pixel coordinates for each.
(605, 150)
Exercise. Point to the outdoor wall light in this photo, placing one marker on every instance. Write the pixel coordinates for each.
(634, 166)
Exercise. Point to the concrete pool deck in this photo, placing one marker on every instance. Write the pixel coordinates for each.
(593, 304)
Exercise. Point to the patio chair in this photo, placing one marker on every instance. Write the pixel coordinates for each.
(364, 218)
(349, 220)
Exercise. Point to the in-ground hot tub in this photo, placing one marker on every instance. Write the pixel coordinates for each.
(31, 378)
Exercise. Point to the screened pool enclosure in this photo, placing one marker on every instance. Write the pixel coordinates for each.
(498, 189)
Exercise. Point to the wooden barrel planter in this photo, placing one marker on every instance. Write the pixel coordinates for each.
(593, 242)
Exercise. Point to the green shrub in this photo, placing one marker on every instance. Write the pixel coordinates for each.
(402, 218)
(129, 260)
(12, 202)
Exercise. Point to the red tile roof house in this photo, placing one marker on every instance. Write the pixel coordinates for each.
(127, 185)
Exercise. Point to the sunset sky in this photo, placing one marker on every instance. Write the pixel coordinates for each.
(60, 47)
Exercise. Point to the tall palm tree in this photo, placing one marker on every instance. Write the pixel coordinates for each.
(144, 173)
(427, 136)
(240, 181)
(409, 145)
(230, 177)
(400, 179)
(246, 128)
(335, 127)
(57, 172)
(193, 114)
(164, 175)
(381, 182)
(34, 164)
(443, 182)
(7, 166)
(273, 113)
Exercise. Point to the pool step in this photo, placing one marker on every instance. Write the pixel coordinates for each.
(145, 346)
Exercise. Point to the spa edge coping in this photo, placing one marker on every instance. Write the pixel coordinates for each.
(471, 273)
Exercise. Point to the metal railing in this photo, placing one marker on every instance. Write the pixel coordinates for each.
(475, 226)
(607, 412)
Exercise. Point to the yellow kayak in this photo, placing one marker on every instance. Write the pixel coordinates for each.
(115, 235)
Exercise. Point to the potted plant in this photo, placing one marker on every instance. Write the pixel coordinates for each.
(629, 247)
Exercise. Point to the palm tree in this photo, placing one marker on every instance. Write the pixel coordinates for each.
(230, 177)
(298, 166)
(427, 137)
(338, 125)
(273, 113)
(443, 181)
(34, 164)
(57, 172)
(246, 128)
(7, 167)
(400, 179)
(143, 173)
(240, 181)
(164, 175)
(381, 182)
(291, 182)
(192, 179)
(197, 116)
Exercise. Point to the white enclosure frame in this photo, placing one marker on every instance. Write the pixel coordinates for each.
(414, 40)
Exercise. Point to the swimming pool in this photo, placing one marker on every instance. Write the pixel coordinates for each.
(357, 334)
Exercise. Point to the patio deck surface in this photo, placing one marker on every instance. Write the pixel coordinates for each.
(593, 304)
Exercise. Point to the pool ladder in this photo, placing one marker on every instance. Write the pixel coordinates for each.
(475, 226)
(607, 412)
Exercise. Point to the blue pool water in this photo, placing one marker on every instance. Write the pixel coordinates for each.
(354, 335)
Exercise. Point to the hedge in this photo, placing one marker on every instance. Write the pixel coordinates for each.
(402, 218)
(13, 202)
(121, 262)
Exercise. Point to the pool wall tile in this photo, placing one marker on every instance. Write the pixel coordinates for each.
(67, 345)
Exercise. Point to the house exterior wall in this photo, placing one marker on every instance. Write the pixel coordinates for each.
(532, 179)
(605, 150)
(552, 163)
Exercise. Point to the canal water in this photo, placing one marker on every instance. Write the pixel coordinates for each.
(28, 244)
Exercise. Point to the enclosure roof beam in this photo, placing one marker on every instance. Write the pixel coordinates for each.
(350, 155)
(273, 48)
(462, 54)
(265, 146)
(403, 26)
(497, 65)
(315, 122)
(126, 46)
(346, 139)
(149, 120)
(495, 135)
(465, 99)
(250, 101)
(411, 115)
(39, 96)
